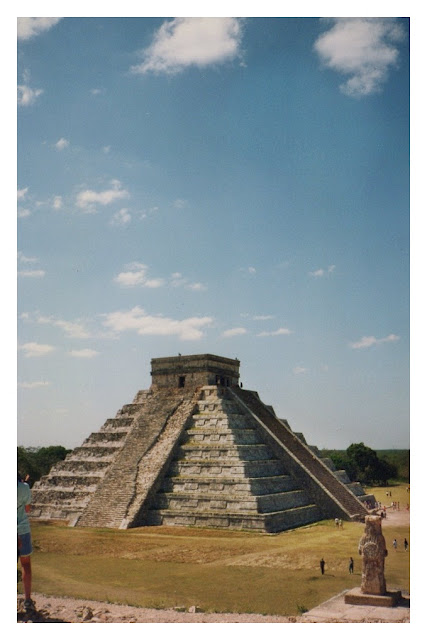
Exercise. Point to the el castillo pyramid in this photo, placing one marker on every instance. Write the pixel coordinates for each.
(196, 449)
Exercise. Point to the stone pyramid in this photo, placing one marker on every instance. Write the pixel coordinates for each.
(196, 450)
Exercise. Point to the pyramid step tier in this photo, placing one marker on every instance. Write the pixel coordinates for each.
(232, 503)
(53, 493)
(207, 485)
(220, 419)
(67, 480)
(249, 468)
(271, 522)
(81, 454)
(217, 406)
(106, 438)
(225, 452)
(222, 435)
(117, 424)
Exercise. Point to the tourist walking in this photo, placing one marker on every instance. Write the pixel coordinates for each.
(25, 548)
(405, 544)
(395, 544)
(322, 566)
(351, 565)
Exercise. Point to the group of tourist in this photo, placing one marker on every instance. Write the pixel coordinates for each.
(405, 544)
(350, 565)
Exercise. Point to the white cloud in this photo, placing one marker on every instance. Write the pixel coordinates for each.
(71, 329)
(23, 213)
(83, 353)
(27, 96)
(106, 149)
(196, 286)
(364, 49)
(57, 203)
(299, 370)
(121, 218)
(87, 199)
(33, 385)
(263, 317)
(22, 193)
(136, 276)
(177, 280)
(30, 27)
(32, 273)
(61, 144)
(145, 325)
(25, 259)
(369, 341)
(185, 42)
(179, 203)
(147, 212)
(35, 350)
(279, 332)
(230, 333)
(319, 273)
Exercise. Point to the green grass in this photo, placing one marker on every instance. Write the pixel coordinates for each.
(223, 571)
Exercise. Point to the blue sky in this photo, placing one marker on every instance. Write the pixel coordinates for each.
(229, 186)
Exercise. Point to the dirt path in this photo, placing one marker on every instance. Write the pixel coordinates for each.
(396, 518)
(53, 609)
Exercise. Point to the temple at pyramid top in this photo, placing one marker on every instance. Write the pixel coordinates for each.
(194, 371)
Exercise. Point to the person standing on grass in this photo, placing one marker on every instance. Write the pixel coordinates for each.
(25, 547)
(322, 566)
(405, 544)
(395, 544)
(351, 565)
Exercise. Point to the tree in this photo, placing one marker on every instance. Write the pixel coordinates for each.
(341, 461)
(37, 461)
(368, 468)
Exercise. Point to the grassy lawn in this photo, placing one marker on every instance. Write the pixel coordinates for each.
(223, 571)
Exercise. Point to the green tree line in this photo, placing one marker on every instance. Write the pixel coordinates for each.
(370, 467)
(36, 462)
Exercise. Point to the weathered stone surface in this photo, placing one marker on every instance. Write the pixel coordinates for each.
(373, 550)
(358, 597)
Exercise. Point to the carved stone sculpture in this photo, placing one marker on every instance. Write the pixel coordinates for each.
(373, 550)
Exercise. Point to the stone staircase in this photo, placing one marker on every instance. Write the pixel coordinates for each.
(222, 475)
(335, 497)
(67, 490)
(355, 487)
(118, 492)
